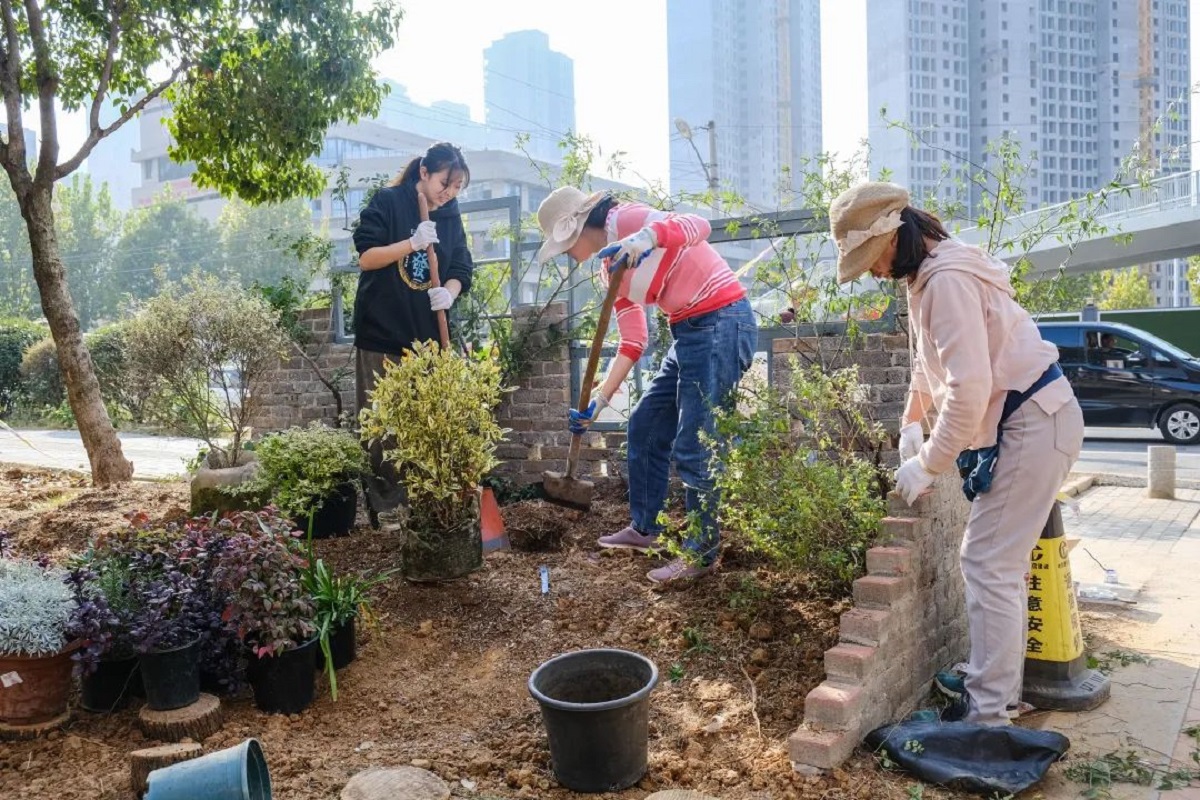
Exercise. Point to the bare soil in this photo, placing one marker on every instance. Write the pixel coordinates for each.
(441, 682)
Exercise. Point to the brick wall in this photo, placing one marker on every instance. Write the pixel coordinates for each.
(292, 394)
(535, 411)
(908, 621)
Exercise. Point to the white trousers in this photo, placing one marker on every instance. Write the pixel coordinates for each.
(1036, 454)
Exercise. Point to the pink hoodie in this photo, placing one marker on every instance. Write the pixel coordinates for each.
(973, 344)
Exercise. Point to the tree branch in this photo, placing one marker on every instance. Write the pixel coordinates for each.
(110, 55)
(97, 133)
(10, 84)
(47, 85)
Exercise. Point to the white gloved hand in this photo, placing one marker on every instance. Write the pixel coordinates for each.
(425, 235)
(440, 298)
(633, 249)
(912, 436)
(913, 480)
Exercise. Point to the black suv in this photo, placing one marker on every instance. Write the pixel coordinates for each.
(1128, 378)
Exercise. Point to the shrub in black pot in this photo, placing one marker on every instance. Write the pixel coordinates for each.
(109, 674)
(260, 570)
(339, 601)
(312, 475)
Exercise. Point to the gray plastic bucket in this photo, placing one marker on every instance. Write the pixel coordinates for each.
(596, 708)
(236, 773)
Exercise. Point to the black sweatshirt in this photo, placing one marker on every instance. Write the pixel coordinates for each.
(391, 310)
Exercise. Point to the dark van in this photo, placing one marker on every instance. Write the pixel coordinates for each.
(1127, 378)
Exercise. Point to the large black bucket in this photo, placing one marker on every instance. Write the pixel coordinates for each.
(171, 677)
(111, 686)
(283, 684)
(596, 707)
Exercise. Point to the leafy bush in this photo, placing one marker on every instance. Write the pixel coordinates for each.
(433, 412)
(800, 481)
(337, 599)
(40, 375)
(16, 336)
(209, 344)
(36, 609)
(260, 570)
(303, 467)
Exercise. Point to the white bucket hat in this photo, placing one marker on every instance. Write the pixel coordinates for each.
(561, 217)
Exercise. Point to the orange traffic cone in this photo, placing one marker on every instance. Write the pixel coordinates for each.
(491, 523)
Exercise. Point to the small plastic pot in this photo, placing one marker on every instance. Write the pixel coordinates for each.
(336, 515)
(171, 677)
(237, 773)
(110, 688)
(342, 646)
(285, 683)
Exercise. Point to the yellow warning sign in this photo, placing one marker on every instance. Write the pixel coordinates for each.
(1054, 633)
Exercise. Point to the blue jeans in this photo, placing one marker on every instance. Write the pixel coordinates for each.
(708, 357)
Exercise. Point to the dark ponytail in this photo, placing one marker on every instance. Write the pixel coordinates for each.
(438, 157)
(598, 216)
(911, 249)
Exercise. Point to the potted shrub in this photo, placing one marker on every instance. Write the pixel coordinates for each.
(433, 412)
(339, 600)
(209, 346)
(110, 677)
(38, 617)
(312, 475)
(260, 570)
(166, 633)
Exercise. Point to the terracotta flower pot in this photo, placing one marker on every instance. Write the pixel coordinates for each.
(34, 690)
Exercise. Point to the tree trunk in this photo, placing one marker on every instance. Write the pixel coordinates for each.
(108, 463)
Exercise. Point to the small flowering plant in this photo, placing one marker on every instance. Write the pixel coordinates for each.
(261, 571)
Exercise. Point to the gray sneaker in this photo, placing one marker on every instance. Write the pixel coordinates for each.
(679, 572)
(629, 539)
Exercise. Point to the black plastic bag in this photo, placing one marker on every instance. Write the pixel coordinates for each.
(969, 757)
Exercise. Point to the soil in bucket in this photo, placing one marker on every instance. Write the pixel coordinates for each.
(171, 677)
(237, 773)
(284, 683)
(595, 706)
(336, 515)
(111, 686)
(342, 646)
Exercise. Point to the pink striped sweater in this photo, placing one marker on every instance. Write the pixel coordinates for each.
(684, 275)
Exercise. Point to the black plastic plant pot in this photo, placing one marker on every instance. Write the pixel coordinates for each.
(336, 515)
(110, 688)
(596, 707)
(284, 683)
(171, 677)
(341, 646)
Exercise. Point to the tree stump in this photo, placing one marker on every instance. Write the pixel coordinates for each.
(398, 783)
(143, 762)
(198, 721)
(13, 733)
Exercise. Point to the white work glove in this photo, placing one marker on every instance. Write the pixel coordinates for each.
(425, 235)
(632, 249)
(440, 298)
(912, 436)
(913, 480)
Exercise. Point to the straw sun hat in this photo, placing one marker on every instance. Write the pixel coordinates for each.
(861, 220)
(561, 217)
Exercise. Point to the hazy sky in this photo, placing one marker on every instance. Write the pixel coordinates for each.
(619, 50)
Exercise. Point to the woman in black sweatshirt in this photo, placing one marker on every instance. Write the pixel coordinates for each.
(396, 304)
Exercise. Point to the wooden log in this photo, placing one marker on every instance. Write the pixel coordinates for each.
(198, 721)
(397, 783)
(143, 762)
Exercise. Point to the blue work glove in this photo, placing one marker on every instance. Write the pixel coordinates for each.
(632, 249)
(579, 421)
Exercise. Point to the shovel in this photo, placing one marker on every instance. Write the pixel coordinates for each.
(563, 488)
(434, 280)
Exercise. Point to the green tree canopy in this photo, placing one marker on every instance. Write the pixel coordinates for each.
(1127, 288)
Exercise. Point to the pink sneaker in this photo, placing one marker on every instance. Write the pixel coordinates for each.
(629, 539)
(680, 571)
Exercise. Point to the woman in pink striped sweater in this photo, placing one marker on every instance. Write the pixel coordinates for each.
(714, 337)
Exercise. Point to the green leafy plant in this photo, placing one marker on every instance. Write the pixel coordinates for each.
(1107, 662)
(304, 467)
(675, 673)
(16, 336)
(433, 413)
(801, 480)
(337, 599)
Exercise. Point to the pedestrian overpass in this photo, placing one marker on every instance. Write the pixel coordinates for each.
(1163, 217)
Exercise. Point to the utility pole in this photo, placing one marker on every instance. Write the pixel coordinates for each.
(713, 183)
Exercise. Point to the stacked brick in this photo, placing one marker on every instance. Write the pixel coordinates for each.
(908, 621)
(292, 394)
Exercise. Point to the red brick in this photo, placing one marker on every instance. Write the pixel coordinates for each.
(902, 529)
(849, 662)
(831, 707)
(864, 626)
(879, 591)
(889, 561)
(821, 749)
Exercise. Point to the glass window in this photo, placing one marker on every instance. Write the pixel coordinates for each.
(1067, 340)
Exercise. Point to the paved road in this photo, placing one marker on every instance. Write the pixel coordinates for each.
(1122, 451)
(152, 456)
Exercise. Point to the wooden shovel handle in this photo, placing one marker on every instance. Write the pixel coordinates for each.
(434, 280)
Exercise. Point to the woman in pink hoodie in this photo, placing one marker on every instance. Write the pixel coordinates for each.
(1006, 417)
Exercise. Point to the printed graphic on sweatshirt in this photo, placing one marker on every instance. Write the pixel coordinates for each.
(415, 271)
